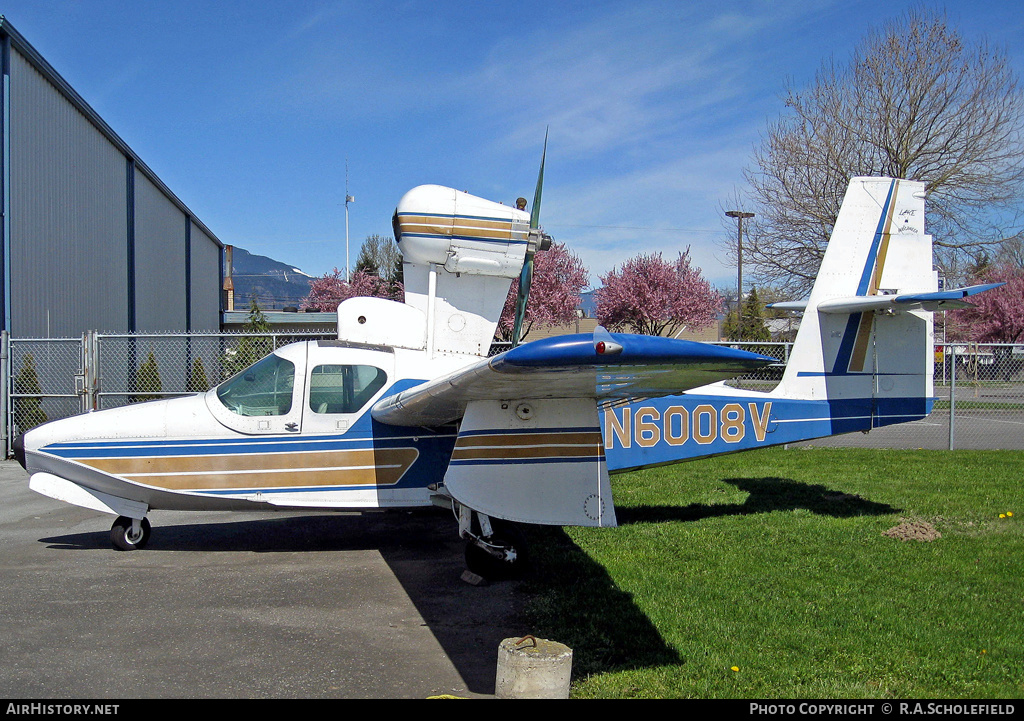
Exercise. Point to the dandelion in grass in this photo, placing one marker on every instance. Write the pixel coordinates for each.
(735, 668)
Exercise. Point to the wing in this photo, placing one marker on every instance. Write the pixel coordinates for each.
(602, 365)
(530, 415)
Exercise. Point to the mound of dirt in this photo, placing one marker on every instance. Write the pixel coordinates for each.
(913, 531)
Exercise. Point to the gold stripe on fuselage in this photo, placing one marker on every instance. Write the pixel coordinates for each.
(468, 227)
(860, 347)
(860, 350)
(528, 446)
(364, 467)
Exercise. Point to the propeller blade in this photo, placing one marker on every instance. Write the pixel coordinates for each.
(526, 275)
(535, 210)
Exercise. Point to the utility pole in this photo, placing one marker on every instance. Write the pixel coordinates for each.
(739, 215)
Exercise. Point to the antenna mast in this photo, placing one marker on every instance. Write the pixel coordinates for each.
(348, 199)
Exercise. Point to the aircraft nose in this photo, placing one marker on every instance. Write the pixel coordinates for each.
(19, 449)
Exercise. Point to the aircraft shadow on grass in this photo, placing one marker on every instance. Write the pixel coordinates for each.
(608, 631)
(764, 496)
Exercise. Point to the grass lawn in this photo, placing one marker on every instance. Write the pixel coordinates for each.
(770, 574)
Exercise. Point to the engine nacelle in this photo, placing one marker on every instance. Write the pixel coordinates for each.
(463, 233)
(460, 254)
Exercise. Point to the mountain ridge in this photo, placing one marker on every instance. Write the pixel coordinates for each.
(274, 285)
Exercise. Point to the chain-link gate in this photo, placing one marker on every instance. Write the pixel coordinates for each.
(49, 378)
(39, 380)
(980, 394)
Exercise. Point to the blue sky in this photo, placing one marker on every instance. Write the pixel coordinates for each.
(249, 111)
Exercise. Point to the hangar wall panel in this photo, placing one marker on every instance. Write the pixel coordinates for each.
(205, 280)
(160, 229)
(68, 215)
(97, 241)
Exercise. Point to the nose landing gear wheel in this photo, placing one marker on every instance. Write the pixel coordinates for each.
(125, 538)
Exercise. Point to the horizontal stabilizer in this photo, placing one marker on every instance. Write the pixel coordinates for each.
(602, 365)
(955, 294)
(788, 305)
(932, 301)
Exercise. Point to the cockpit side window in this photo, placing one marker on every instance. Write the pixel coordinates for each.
(264, 389)
(343, 388)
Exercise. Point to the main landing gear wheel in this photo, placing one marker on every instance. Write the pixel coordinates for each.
(124, 536)
(498, 557)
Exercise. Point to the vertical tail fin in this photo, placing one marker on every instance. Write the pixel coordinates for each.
(860, 345)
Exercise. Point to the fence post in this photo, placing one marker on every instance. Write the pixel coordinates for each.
(5, 391)
(90, 371)
(952, 393)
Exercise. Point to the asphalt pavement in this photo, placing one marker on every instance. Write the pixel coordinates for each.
(242, 606)
(973, 429)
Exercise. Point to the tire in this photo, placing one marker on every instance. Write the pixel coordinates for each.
(484, 564)
(121, 534)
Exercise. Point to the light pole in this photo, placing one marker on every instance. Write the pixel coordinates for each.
(739, 215)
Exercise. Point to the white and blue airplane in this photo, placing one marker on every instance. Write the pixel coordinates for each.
(405, 409)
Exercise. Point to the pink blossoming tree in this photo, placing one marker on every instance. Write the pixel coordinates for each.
(999, 314)
(652, 296)
(558, 279)
(326, 292)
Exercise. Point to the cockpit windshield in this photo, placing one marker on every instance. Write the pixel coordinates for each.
(264, 389)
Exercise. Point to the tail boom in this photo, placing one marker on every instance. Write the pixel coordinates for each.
(658, 431)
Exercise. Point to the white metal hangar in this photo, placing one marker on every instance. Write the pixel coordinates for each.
(91, 238)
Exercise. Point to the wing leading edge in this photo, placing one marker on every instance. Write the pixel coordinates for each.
(602, 365)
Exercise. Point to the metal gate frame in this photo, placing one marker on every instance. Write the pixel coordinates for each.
(9, 395)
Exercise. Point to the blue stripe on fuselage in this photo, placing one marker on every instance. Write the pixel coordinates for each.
(876, 242)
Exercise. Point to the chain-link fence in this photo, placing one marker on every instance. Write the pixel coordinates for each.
(141, 367)
(979, 399)
(764, 379)
(979, 388)
(50, 378)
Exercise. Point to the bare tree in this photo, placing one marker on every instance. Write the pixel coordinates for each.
(915, 101)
